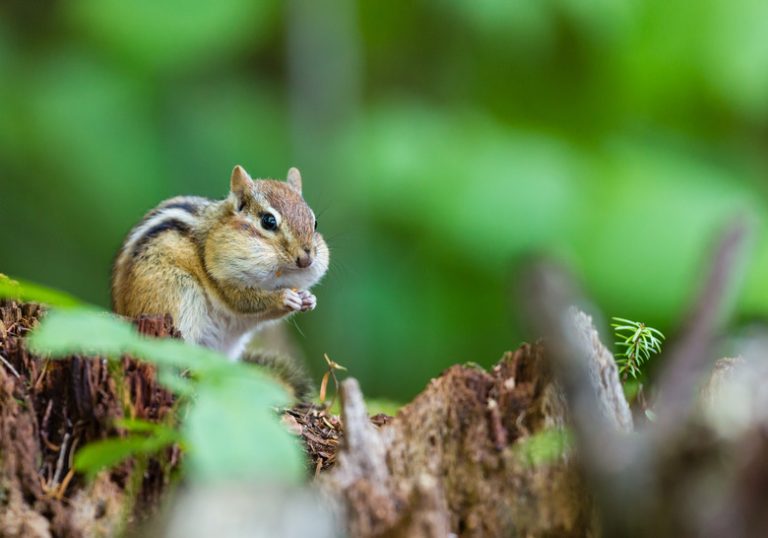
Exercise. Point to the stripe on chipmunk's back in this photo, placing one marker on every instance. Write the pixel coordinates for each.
(167, 225)
(174, 209)
(192, 207)
(187, 204)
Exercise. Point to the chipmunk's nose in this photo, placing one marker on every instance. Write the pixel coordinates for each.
(305, 260)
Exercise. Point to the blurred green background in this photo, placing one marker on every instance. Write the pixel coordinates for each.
(439, 142)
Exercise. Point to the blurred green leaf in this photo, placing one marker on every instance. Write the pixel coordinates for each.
(100, 455)
(20, 290)
(233, 433)
(212, 135)
(735, 54)
(501, 21)
(658, 211)
(136, 425)
(92, 332)
(67, 332)
(74, 103)
(466, 180)
(171, 378)
(172, 34)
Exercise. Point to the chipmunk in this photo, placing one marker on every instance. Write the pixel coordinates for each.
(223, 268)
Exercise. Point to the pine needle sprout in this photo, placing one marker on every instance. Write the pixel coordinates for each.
(637, 342)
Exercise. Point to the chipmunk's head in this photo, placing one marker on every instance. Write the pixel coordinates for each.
(267, 236)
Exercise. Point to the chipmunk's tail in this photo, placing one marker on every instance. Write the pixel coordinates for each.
(284, 369)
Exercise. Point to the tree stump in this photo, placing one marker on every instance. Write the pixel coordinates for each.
(459, 457)
(477, 453)
(49, 408)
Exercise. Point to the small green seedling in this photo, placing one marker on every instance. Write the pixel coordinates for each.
(637, 342)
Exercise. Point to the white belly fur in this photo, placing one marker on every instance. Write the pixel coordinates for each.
(214, 327)
(228, 334)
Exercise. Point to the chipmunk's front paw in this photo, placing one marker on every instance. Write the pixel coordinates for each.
(308, 301)
(298, 300)
(292, 300)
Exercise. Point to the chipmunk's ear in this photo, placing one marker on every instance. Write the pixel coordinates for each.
(241, 183)
(294, 179)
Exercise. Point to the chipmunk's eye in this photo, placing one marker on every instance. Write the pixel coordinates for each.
(315, 224)
(268, 221)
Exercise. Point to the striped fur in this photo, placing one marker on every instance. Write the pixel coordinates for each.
(182, 209)
(165, 225)
(215, 268)
(284, 369)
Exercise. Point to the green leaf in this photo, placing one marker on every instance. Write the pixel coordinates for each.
(177, 353)
(658, 332)
(94, 457)
(20, 290)
(235, 434)
(172, 33)
(136, 425)
(87, 331)
(92, 332)
(173, 381)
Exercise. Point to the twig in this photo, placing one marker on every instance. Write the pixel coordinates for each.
(36, 385)
(692, 353)
(332, 367)
(60, 461)
(10, 367)
(364, 453)
(59, 493)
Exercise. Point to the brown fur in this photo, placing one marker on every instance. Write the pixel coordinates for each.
(166, 261)
(292, 207)
(196, 257)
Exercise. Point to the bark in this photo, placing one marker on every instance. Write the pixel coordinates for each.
(458, 458)
(49, 408)
(477, 453)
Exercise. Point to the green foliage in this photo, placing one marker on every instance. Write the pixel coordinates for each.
(234, 434)
(230, 425)
(147, 439)
(637, 343)
(66, 332)
(20, 290)
(173, 33)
